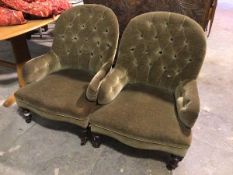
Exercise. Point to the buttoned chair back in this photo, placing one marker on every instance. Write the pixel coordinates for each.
(158, 49)
(86, 37)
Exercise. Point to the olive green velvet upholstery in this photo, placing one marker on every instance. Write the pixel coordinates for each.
(85, 42)
(152, 88)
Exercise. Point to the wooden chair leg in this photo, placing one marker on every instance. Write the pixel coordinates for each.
(21, 52)
(85, 136)
(93, 138)
(173, 162)
(9, 101)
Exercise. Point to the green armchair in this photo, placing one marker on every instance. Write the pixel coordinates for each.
(85, 43)
(149, 100)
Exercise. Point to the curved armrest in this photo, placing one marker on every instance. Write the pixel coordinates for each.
(112, 85)
(187, 103)
(37, 68)
(94, 85)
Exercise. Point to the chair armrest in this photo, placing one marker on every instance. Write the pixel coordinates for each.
(187, 103)
(112, 85)
(37, 68)
(94, 85)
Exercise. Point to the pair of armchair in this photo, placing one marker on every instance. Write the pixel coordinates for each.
(148, 100)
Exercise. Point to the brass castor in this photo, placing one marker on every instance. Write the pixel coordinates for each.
(27, 115)
(173, 162)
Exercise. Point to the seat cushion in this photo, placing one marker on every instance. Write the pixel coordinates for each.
(144, 114)
(59, 96)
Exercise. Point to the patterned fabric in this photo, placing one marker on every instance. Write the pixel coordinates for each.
(10, 17)
(201, 11)
(12, 10)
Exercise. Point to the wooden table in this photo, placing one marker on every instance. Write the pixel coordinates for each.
(17, 36)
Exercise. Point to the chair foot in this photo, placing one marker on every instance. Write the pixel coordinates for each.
(96, 141)
(85, 136)
(27, 115)
(173, 162)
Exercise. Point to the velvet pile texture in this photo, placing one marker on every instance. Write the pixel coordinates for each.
(85, 40)
(148, 100)
(151, 94)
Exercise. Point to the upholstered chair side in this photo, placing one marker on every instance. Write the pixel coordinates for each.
(37, 68)
(187, 103)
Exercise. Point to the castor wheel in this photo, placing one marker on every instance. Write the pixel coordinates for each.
(27, 115)
(173, 162)
(96, 141)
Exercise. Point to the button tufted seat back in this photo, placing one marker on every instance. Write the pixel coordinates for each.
(86, 37)
(161, 49)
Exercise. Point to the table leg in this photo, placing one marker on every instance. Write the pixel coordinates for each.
(22, 54)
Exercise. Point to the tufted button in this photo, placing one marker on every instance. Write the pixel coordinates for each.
(83, 26)
(62, 36)
(164, 68)
(106, 31)
(98, 43)
(95, 28)
(141, 36)
(156, 37)
(160, 52)
(75, 38)
(146, 52)
(86, 39)
(189, 60)
(171, 39)
(175, 57)
(92, 54)
(132, 49)
(80, 52)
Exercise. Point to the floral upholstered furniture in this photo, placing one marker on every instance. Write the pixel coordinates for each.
(201, 11)
(85, 42)
(150, 96)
